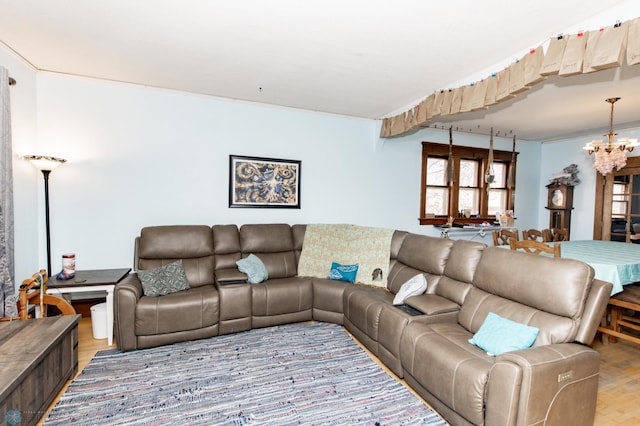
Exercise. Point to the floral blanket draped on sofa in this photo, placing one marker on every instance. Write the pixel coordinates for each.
(346, 244)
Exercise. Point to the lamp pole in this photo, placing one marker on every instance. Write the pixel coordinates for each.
(45, 174)
(46, 164)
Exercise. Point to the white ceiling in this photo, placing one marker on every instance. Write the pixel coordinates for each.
(360, 58)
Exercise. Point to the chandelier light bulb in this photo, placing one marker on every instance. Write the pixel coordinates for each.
(611, 154)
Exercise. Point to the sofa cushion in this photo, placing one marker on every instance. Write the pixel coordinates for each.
(166, 314)
(459, 271)
(159, 245)
(298, 231)
(266, 238)
(552, 299)
(254, 268)
(327, 300)
(440, 358)
(282, 296)
(558, 286)
(176, 241)
(413, 287)
(362, 306)
(343, 272)
(226, 246)
(164, 280)
(498, 335)
(420, 254)
(273, 243)
(553, 328)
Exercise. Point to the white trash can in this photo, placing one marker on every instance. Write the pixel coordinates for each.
(99, 321)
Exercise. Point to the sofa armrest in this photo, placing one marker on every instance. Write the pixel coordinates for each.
(126, 295)
(551, 384)
(432, 304)
(230, 276)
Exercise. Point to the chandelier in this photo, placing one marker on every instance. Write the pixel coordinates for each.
(610, 154)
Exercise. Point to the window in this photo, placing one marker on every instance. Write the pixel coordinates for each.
(498, 191)
(467, 197)
(437, 188)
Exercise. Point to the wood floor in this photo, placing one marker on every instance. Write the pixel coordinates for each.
(617, 394)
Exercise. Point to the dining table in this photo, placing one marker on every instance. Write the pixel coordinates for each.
(612, 261)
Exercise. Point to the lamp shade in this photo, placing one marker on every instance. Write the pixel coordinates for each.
(43, 162)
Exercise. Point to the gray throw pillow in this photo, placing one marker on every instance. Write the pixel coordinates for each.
(254, 268)
(164, 280)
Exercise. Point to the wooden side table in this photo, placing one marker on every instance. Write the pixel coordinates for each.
(89, 281)
(38, 357)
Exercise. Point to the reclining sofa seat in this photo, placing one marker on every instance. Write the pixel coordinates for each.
(284, 298)
(555, 382)
(441, 302)
(448, 267)
(144, 322)
(327, 294)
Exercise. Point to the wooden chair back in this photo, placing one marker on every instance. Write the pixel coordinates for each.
(536, 247)
(33, 291)
(504, 237)
(534, 235)
(557, 234)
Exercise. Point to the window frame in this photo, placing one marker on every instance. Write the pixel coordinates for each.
(603, 211)
(438, 150)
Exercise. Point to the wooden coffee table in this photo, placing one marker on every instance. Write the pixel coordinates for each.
(38, 357)
(90, 281)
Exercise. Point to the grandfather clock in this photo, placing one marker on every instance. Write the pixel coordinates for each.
(560, 204)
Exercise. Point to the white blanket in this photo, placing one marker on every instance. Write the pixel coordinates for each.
(369, 247)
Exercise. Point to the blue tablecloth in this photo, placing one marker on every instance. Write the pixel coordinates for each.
(616, 262)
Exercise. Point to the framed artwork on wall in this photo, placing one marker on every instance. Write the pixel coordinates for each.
(264, 182)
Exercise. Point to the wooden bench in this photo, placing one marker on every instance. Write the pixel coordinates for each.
(616, 318)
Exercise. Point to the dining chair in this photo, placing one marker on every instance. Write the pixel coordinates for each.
(536, 247)
(622, 315)
(534, 235)
(557, 234)
(503, 237)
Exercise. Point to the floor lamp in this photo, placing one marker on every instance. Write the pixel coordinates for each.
(46, 165)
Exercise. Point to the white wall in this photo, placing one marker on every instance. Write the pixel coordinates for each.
(139, 156)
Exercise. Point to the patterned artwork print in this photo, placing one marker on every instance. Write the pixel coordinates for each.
(265, 183)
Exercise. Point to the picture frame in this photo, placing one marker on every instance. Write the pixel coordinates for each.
(264, 182)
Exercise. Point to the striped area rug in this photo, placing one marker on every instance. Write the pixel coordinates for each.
(311, 374)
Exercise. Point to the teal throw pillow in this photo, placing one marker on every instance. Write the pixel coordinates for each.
(164, 280)
(498, 335)
(343, 272)
(254, 268)
(413, 287)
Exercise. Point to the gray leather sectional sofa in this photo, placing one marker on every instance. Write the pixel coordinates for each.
(554, 382)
